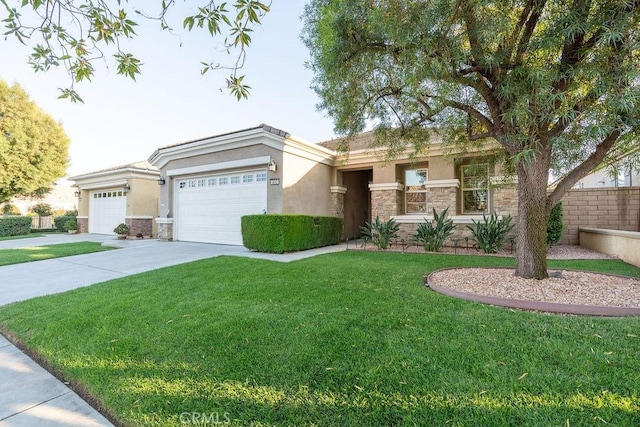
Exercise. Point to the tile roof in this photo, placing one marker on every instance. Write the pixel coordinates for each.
(362, 141)
(141, 165)
(263, 126)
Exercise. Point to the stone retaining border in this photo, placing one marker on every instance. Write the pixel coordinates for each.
(584, 310)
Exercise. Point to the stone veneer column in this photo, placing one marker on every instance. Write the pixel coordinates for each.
(165, 228)
(386, 200)
(83, 224)
(142, 226)
(337, 200)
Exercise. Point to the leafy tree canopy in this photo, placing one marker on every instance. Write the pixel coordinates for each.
(77, 33)
(554, 83)
(33, 147)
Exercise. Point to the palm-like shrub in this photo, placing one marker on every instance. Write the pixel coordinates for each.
(554, 225)
(491, 232)
(432, 234)
(381, 233)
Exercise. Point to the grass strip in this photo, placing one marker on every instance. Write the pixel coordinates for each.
(351, 338)
(39, 253)
(24, 236)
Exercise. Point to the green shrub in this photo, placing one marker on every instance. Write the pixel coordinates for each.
(60, 221)
(121, 229)
(432, 234)
(71, 225)
(288, 233)
(554, 225)
(491, 232)
(381, 233)
(15, 226)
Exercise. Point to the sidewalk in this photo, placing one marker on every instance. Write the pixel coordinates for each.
(29, 395)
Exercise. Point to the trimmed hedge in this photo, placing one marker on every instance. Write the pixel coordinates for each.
(61, 220)
(15, 226)
(289, 233)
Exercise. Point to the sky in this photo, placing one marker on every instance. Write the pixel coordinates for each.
(122, 121)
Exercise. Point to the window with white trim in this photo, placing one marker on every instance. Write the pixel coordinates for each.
(211, 182)
(261, 177)
(415, 190)
(247, 179)
(223, 181)
(235, 179)
(475, 188)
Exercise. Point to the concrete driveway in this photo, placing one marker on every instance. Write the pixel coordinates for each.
(23, 281)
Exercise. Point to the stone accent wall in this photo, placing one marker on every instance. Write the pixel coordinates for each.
(442, 198)
(505, 201)
(609, 208)
(407, 230)
(386, 203)
(143, 226)
(337, 204)
(83, 225)
(165, 230)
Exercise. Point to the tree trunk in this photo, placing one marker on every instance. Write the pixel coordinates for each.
(531, 251)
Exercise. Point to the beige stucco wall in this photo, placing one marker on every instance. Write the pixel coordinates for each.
(622, 244)
(83, 203)
(142, 199)
(274, 193)
(305, 186)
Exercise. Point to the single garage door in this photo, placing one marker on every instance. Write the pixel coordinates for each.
(209, 208)
(107, 209)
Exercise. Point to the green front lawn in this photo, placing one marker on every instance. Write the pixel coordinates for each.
(38, 253)
(351, 338)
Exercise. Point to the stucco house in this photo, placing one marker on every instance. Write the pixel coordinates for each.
(210, 183)
(123, 194)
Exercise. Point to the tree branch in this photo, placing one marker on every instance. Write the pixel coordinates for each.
(537, 7)
(583, 169)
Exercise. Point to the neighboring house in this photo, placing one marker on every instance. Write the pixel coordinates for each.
(61, 197)
(124, 194)
(211, 183)
(603, 179)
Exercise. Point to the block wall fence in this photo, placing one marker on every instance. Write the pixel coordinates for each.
(610, 208)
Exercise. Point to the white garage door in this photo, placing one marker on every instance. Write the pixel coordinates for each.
(107, 209)
(209, 208)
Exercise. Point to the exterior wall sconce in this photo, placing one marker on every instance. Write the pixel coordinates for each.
(77, 194)
(126, 187)
(272, 166)
(161, 181)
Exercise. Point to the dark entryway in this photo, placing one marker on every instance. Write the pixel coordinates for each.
(357, 201)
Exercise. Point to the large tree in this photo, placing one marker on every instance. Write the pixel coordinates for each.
(554, 83)
(77, 33)
(33, 147)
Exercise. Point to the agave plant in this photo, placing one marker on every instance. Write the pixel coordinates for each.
(432, 234)
(381, 233)
(491, 232)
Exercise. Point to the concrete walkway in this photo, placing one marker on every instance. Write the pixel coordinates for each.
(29, 395)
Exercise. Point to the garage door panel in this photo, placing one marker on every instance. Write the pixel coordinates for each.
(107, 209)
(209, 209)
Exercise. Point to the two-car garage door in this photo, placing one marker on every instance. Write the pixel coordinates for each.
(208, 208)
